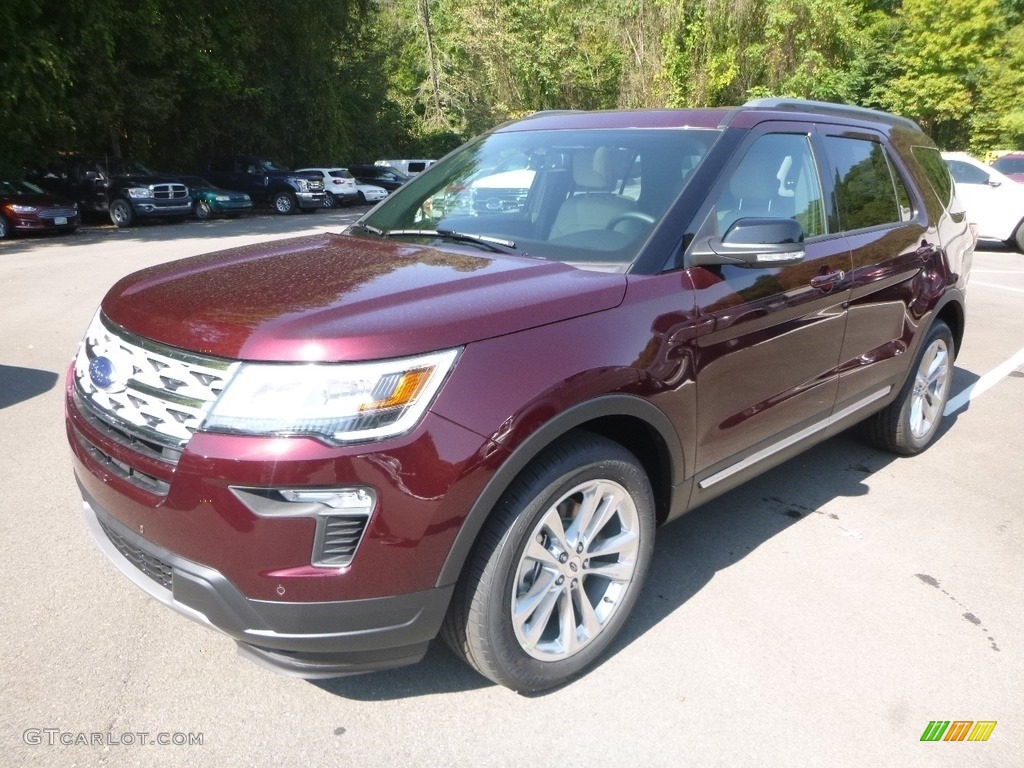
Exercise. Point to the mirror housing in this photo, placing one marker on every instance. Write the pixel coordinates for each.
(753, 243)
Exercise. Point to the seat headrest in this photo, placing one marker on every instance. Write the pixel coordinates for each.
(594, 168)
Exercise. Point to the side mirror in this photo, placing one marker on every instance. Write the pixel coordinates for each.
(754, 243)
(993, 182)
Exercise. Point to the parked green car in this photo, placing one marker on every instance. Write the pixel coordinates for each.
(209, 201)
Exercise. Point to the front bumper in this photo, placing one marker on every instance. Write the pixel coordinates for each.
(162, 208)
(310, 640)
(310, 199)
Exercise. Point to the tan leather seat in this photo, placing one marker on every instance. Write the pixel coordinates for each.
(593, 202)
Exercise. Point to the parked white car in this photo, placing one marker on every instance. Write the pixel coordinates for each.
(994, 201)
(339, 185)
(408, 167)
(370, 193)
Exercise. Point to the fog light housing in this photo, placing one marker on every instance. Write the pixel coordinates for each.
(341, 515)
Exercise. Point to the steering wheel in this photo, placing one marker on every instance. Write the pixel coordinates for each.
(644, 218)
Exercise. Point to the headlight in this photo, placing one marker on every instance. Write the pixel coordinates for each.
(22, 208)
(223, 198)
(337, 402)
(138, 192)
(302, 184)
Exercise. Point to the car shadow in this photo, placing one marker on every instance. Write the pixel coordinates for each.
(17, 384)
(687, 554)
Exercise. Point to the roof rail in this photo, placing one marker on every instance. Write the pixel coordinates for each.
(828, 108)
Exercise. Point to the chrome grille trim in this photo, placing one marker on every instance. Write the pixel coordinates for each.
(166, 392)
(53, 213)
(169, 191)
(134, 476)
(112, 430)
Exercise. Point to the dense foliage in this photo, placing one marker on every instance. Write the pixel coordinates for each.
(330, 81)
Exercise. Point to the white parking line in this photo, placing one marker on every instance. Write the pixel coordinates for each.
(997, 271)
(986, 382)
(996, 285)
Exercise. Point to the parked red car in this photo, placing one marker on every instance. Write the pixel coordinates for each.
(24, 207)
(469, 421)
(1012, 165)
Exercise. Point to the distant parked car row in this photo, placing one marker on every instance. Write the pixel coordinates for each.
(56, 196)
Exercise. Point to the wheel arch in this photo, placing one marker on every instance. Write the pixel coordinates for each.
(952, 313)
(636, 424)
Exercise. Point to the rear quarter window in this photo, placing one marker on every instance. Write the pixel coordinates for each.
(936, 172)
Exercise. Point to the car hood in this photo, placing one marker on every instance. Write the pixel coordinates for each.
(146, 180)
(346, 298)
(33, 198)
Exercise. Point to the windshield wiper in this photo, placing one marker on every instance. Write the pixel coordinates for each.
(368, 228)
(495, 244)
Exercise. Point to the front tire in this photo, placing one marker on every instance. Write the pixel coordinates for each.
(908, 424)
(285, 203)
(203, 211)
(121, 213)
(557, 568)
(1018, 237)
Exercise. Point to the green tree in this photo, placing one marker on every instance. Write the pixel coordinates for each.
(942, 50)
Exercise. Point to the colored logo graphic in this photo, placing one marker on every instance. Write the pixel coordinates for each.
(958, 730)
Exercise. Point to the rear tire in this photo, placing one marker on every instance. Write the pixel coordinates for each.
(329, 200)
(557, 568)
(5, 228)
(1018, 237)
(908, 424)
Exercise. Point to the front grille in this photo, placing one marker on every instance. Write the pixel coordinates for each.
(337, 538)
(499, 200)
(54, 213)
(152, 393)
(169, 191)
(154, 567)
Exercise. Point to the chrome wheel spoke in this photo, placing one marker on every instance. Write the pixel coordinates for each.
(590, 622)
(620, 571)
(567, 632)
(624, 543)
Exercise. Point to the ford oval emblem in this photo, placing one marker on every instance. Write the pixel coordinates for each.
(104, 375)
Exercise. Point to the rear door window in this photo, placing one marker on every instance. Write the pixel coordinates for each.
(869, 192)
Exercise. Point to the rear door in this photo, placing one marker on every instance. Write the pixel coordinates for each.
(886, 227)
(771, 337)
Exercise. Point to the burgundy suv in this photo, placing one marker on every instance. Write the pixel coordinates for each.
(469, 420)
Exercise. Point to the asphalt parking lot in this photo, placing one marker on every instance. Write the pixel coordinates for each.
(822, 615)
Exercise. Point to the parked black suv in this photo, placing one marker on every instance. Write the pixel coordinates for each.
(266, 181)
(379, 175)
(126, 190)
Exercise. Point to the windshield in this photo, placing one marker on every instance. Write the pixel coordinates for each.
(16, 188)
(588, 197)
(118, 167)
(270, 165)
(195, 182)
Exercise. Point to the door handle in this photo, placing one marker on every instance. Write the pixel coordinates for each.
(827, 281)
